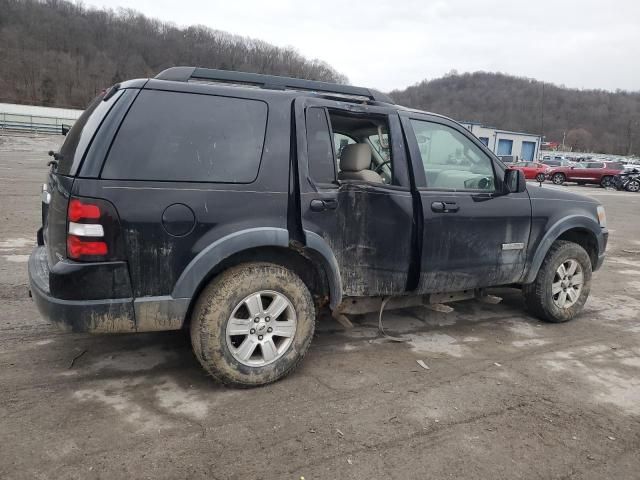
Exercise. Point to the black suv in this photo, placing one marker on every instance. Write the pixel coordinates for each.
(240, 205)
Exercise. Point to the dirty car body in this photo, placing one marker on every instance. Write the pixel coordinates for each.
(154, 197)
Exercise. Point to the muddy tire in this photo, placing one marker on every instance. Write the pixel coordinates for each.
(606, 181)
(253, 324)
(562, 286)
(558, 178)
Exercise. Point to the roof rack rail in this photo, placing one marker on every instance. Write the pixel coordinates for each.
(272, 82)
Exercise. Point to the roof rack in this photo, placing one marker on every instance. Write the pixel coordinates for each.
(271, 82)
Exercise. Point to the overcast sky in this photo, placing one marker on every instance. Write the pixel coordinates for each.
(393, 44)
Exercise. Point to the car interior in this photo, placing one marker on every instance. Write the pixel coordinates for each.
(362, 147)
(451, 161)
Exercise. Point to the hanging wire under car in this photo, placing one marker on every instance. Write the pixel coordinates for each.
(381, 328)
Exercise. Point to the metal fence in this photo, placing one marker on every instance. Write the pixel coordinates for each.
(33, 123)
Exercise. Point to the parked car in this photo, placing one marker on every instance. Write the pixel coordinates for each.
(628, 180)
(557, 163)
(218, 202)
(532, 170)
(589, 172)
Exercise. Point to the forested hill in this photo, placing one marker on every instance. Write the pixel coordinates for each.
(58, 53)
(593, 120)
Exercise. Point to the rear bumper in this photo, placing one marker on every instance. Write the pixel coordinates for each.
(100, 316)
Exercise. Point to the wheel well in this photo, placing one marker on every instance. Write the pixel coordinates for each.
(308, 269)
(585, 239)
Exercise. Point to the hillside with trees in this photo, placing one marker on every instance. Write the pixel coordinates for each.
(589, 120)
(59, 53)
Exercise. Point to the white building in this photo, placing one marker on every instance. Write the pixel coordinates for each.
(510, 146)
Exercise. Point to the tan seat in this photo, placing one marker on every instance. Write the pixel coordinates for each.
(355, 162)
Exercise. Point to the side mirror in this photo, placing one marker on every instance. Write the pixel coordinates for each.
(514, 181)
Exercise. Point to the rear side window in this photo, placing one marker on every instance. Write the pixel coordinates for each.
(322, 166)
(82, 132)
(189, 137)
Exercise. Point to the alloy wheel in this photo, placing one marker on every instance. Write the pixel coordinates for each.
(567, 284)
(633, 186)
(261, 328)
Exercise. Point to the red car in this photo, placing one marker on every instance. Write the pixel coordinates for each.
(585, 172)
(532, 170)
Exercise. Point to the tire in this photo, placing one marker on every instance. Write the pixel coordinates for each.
(633, 186)
(540, 177)
(255, 285)
(539, 297)
(605, 182)
(558, 178)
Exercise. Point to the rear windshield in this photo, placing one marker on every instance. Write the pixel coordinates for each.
(81, 134)
(171, 136)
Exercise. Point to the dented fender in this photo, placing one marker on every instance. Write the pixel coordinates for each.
(330, 265)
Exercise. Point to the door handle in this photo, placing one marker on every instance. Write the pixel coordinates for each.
(318, 205)
(330, 204)
(444, 207)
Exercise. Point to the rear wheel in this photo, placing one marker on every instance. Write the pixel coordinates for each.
(558, 178)
(562, 285)
(253, 324)
(540, 177)
(606, 182)
(633, 186)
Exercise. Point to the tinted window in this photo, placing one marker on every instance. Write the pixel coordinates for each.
(82, 132)
(452, 161)
(189, 137)
(322, 166)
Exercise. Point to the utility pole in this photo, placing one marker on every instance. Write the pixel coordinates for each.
(542, 114)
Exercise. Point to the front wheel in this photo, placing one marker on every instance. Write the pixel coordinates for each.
(540, 177)
(562, 285)
(558, 178)
(633, 186)
(606, 182)
(252, 324)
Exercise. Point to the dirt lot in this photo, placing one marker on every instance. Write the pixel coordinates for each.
(505, 396)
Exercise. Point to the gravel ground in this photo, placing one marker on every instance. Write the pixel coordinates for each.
(505, 395)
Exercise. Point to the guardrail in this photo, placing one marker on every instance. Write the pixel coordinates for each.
(33, 123)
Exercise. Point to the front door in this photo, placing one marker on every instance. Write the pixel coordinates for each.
(473, 235)
(360, 206)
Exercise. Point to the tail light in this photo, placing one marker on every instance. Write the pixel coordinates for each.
(92, 230)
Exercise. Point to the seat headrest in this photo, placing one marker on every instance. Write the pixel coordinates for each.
(355, 157)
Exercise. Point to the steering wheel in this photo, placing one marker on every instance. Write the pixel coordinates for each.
(485, 183)
(379, 168)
